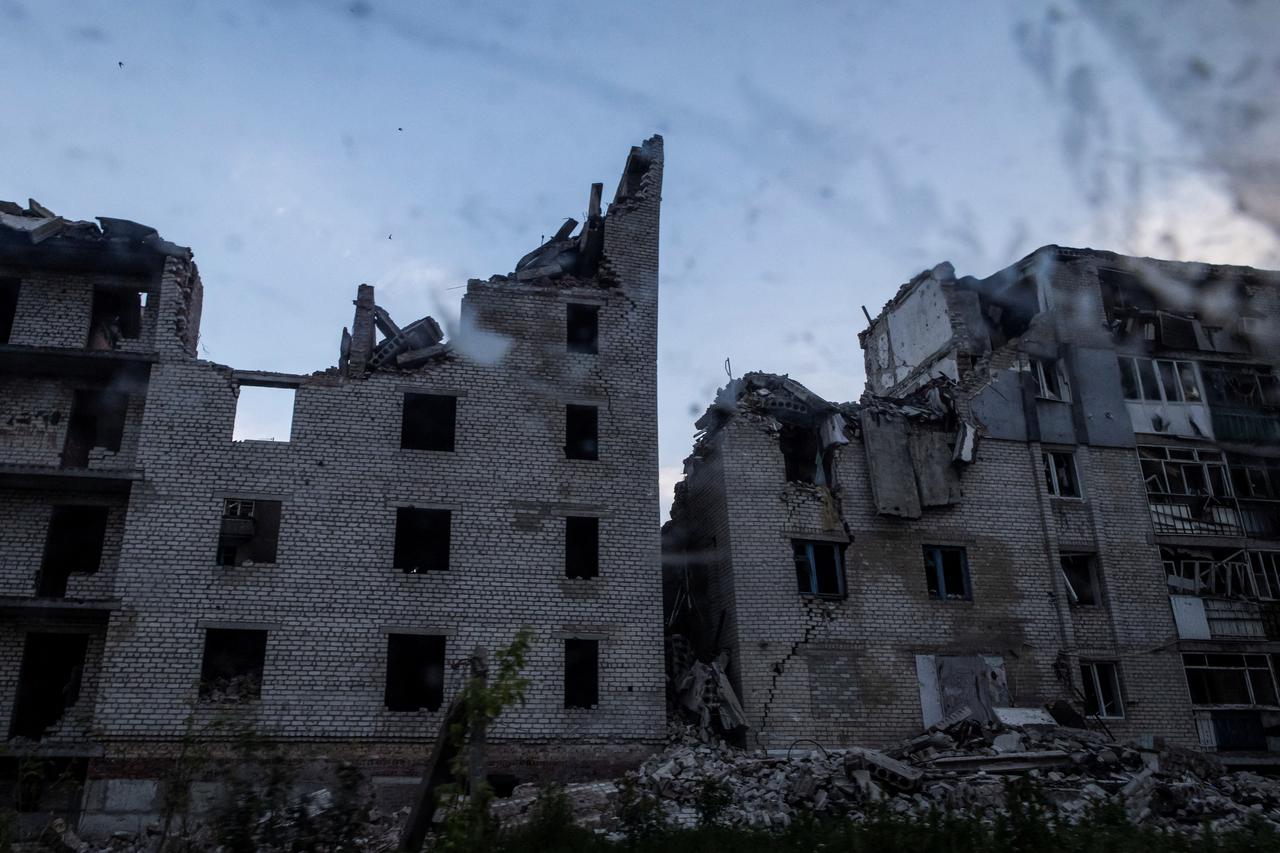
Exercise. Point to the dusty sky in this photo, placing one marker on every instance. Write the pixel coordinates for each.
(818, 154)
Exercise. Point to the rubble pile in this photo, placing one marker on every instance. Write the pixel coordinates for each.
(963, 767)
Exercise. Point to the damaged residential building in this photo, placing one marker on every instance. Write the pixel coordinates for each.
(1059, 494)
(434, 493)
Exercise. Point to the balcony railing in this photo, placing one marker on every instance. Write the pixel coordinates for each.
(1231, 731)
(1244, 425)
(1195, 515)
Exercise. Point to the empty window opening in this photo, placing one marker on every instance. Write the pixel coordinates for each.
(97, 420)
(581, 547)
(263, 413)
(234, 660)
(1060, 474)
(583, 328)
(581, 673)
(48, 682)
(803, 456)
(1230, 679)
(1051, 379)
(415, 672)
(73, 546)
(422, 540)
(8, 307)
(1080, 574)
(819, 568)
(428, 422)
(250, 531)
(1101, 689)
(946, 572)
(116, 316)
(581, 432)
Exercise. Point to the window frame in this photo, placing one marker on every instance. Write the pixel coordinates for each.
(936, 566)
(1052, 482)
(1206, 460)
(1050, 372)
(1190, 663)
(811, 567)
(1095, 578)
(1091, 676)
(1131, 373)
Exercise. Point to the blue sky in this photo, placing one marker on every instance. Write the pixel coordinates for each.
(818, 155)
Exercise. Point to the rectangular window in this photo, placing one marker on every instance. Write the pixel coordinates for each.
(249, 533)
(422, 540)
(819, 568)
(1051, 379)
(581, 673)
(116, 315)
(428, 422)
(1060, 474)
(946, 572)
(234, 660)
(1215, 572)
(1159, 379)
(73, 546)
(583, 328)
(48, 681)
(1080, 572)
(1101, 689)
(415, 672)
(581, 425)
(8, 307)
(263, 413)
(581, 547)
(803, 456)
(1184, 471)
(1215, 679)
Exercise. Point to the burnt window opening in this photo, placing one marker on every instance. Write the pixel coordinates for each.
(73, 546)
(946, 572)
(422, 540)
(819, 568)
(581, 673)
(583, 328)
(97, 420)
(1101, 681)
(1060, 476)
(803, 457)
(428, 422)
(581, 547)
(581, 432)
(1051, 379)
(250, 531)
(48, 682)
(1080, 574)
(415, 672)
(234, 660)
(8, 307)
(116, 315)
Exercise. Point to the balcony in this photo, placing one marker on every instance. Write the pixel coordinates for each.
(1245, 425)
(1195, 515)
(1234, 731)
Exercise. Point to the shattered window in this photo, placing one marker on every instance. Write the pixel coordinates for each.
(819, 568)
(1050, 379)
(1227, 679)
(581, 424)
(583, 328)
(422, 540)
(1080, 573)
(1101, 681)
(947, 572)
(581, 547)
(1184, 471)
(581, 673)
(415, 672)
(1060, 474)
(428, 422)
(1159, 380)
(234, 660)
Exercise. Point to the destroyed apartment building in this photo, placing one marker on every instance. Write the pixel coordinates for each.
(432, 496)
(1059, 493)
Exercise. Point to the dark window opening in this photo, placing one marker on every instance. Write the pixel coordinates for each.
(581, 673)
(581, 547)
(581, 432)
(803, 456)
(73, 546)
(234, 660)
(1101, 689)
(1050, 379)
(422, 540)
(1080, 572)
(117, 315)
(1060, 474)
(415, 672)
(48, 682)
(819, 568)
(1225, 679)
(428, 422)
(250, 531)
(583, 328)
(97, 420)
(8, 307)
(947, 572)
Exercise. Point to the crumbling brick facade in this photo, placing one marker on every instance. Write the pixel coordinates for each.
(1057, 559)
(187, 563)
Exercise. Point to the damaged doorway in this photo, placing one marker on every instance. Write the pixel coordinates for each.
(48, 682)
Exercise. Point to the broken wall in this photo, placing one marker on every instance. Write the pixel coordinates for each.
(916, 332)
(24, 538)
